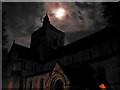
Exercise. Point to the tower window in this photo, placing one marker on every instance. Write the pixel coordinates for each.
(14, 66)
(90, 54)
(55, 42)
(73, 58)
(23, 66)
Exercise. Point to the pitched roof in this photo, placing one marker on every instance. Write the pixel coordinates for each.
(21, 51)
(91, 40)
(41, 30)
(87, 42)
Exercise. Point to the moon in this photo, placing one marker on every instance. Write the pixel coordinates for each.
(59, 13)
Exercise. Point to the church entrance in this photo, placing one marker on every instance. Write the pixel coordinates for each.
(58, 80)
(59, 85)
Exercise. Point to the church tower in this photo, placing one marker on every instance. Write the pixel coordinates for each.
(46, 39)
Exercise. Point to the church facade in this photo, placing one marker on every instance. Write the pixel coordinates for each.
(91, 63)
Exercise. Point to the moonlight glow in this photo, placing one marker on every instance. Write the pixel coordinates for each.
(59, 13)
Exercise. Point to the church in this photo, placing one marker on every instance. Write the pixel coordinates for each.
(91, 63)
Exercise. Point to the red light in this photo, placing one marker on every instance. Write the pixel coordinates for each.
(102, 86)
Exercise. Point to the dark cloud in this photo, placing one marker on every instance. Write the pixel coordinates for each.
(81, 19)
(74, 36)
(20, 19)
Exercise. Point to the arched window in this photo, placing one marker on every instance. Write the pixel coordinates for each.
(101, 74)
(35, 67)
(23, 65)
(102, 78)
(41, 84)
(90, 54)
(55, 42)
(30, 85)
(73, 59)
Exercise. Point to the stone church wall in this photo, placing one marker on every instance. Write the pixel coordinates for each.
(112, 71)
(36, 81)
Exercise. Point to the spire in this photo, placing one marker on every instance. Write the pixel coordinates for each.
(46, 20)
(46, 17)
(13, 41)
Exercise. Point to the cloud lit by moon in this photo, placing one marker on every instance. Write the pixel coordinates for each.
(76, 19)
(59, 13)
(81, 18)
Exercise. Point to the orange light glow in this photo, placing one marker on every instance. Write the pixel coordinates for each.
(102, 86)
(10, 85)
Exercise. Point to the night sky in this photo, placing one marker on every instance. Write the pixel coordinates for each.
(23, 18)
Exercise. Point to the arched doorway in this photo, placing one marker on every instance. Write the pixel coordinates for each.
(59, 85)
(57, 80)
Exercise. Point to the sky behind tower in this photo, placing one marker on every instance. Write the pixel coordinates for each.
(81, 19)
